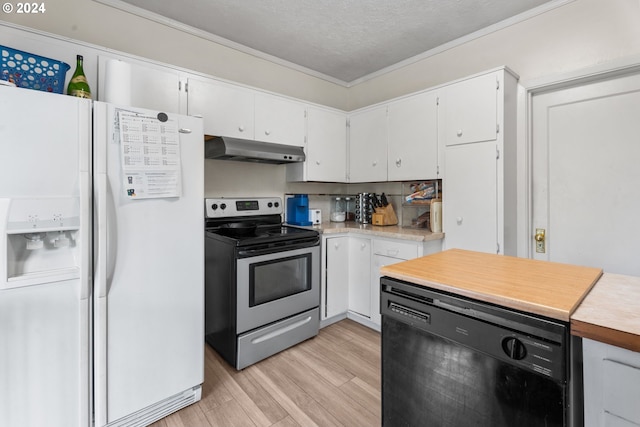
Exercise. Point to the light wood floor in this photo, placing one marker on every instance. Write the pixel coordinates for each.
(330, 380)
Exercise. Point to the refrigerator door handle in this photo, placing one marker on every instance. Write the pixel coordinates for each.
(85, 235)
(106, 238)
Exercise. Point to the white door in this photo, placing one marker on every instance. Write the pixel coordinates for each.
(279, 120)
(413, 138)
(227, 110)
(149, 281)
(586, 174)
(470, 204)
(360, 275)
(139, 85)
(326, 145)
(368, 145)
(337, 268)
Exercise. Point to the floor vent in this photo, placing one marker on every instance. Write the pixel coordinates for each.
(153, 413)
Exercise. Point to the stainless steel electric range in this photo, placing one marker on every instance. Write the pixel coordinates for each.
(262, 279)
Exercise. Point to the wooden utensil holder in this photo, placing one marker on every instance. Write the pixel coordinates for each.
(384, 216)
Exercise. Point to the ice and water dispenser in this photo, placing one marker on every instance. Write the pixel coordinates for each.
(41, 237)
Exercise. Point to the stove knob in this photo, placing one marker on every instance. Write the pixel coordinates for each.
(214, 206)
(514, 348)
(276, 204)
(270, 204)
(223, 206)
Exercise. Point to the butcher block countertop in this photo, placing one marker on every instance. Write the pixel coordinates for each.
(611, 312)
(545, 288)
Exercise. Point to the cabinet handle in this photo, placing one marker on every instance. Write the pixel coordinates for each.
(398, 162)
(459, 133)
(363, 245)
(184, 130)
(336, 245)
(267, 132)
(375, 163)
(393, 252)
(459, 220)
(241, 128)
(318, 162)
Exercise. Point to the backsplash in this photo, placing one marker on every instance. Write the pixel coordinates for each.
(225, 178)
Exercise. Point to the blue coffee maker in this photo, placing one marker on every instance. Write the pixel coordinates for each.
(298, 210)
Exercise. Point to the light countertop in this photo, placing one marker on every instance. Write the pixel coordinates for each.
(389, 231)
(545, 288)
(611, 312)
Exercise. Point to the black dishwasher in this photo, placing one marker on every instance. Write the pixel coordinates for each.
(452, 361)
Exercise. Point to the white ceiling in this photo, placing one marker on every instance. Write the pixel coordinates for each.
(344, 41)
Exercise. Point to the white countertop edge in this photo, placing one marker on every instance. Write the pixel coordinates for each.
(391, 231)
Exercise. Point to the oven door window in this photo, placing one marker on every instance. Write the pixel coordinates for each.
(279, 278)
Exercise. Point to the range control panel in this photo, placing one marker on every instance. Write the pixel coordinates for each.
(231, 207)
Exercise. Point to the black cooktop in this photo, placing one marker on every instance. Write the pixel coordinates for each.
(260, 234)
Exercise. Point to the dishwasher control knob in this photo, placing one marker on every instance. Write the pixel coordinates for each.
(514, 348)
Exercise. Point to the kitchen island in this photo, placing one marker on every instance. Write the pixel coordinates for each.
(482, 339)
(544, 288)
(602, 309)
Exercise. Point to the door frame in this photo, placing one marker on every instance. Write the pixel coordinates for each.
(524, 140)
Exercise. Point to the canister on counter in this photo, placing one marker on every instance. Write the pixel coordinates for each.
(338, 210)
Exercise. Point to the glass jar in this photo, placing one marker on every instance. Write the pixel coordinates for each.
(350, 209)
(338, 210)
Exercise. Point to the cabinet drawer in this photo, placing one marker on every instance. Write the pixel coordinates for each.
(395, 249)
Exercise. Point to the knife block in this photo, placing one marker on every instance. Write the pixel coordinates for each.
(384, 216)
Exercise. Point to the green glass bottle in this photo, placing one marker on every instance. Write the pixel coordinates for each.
(78, 86)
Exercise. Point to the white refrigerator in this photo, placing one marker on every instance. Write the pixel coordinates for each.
(101, 297)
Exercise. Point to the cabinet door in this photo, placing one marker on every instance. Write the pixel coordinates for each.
(368, 145)
(226, 110)
(379, 261)
(360, 275)
(470, 110)
(611, 385)
(279, 120)
(136, 84)
(337, 273)
(413, 138)
(469, 206)
(326, 148)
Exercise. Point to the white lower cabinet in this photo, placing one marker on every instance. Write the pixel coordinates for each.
(360, 276)
(335, 260)
(611, 385)
(351, 281)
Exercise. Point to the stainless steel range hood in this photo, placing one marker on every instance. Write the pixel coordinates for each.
(225, 148)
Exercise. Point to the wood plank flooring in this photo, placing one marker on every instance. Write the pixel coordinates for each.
(330, 380)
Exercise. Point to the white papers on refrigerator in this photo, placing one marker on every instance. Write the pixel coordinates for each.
(150, 154)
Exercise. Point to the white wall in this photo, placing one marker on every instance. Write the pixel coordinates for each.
(576, 35)
(579, 34)
(101, 25)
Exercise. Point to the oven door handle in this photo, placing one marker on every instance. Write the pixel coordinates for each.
(278, 247)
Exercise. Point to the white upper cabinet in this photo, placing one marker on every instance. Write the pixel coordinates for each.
(470, 213)
(470, 110)
(279, 120)
(227, 110)
(413, 138)
(325, 149)
(139, 84)
(368, 145)
(479, 174)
